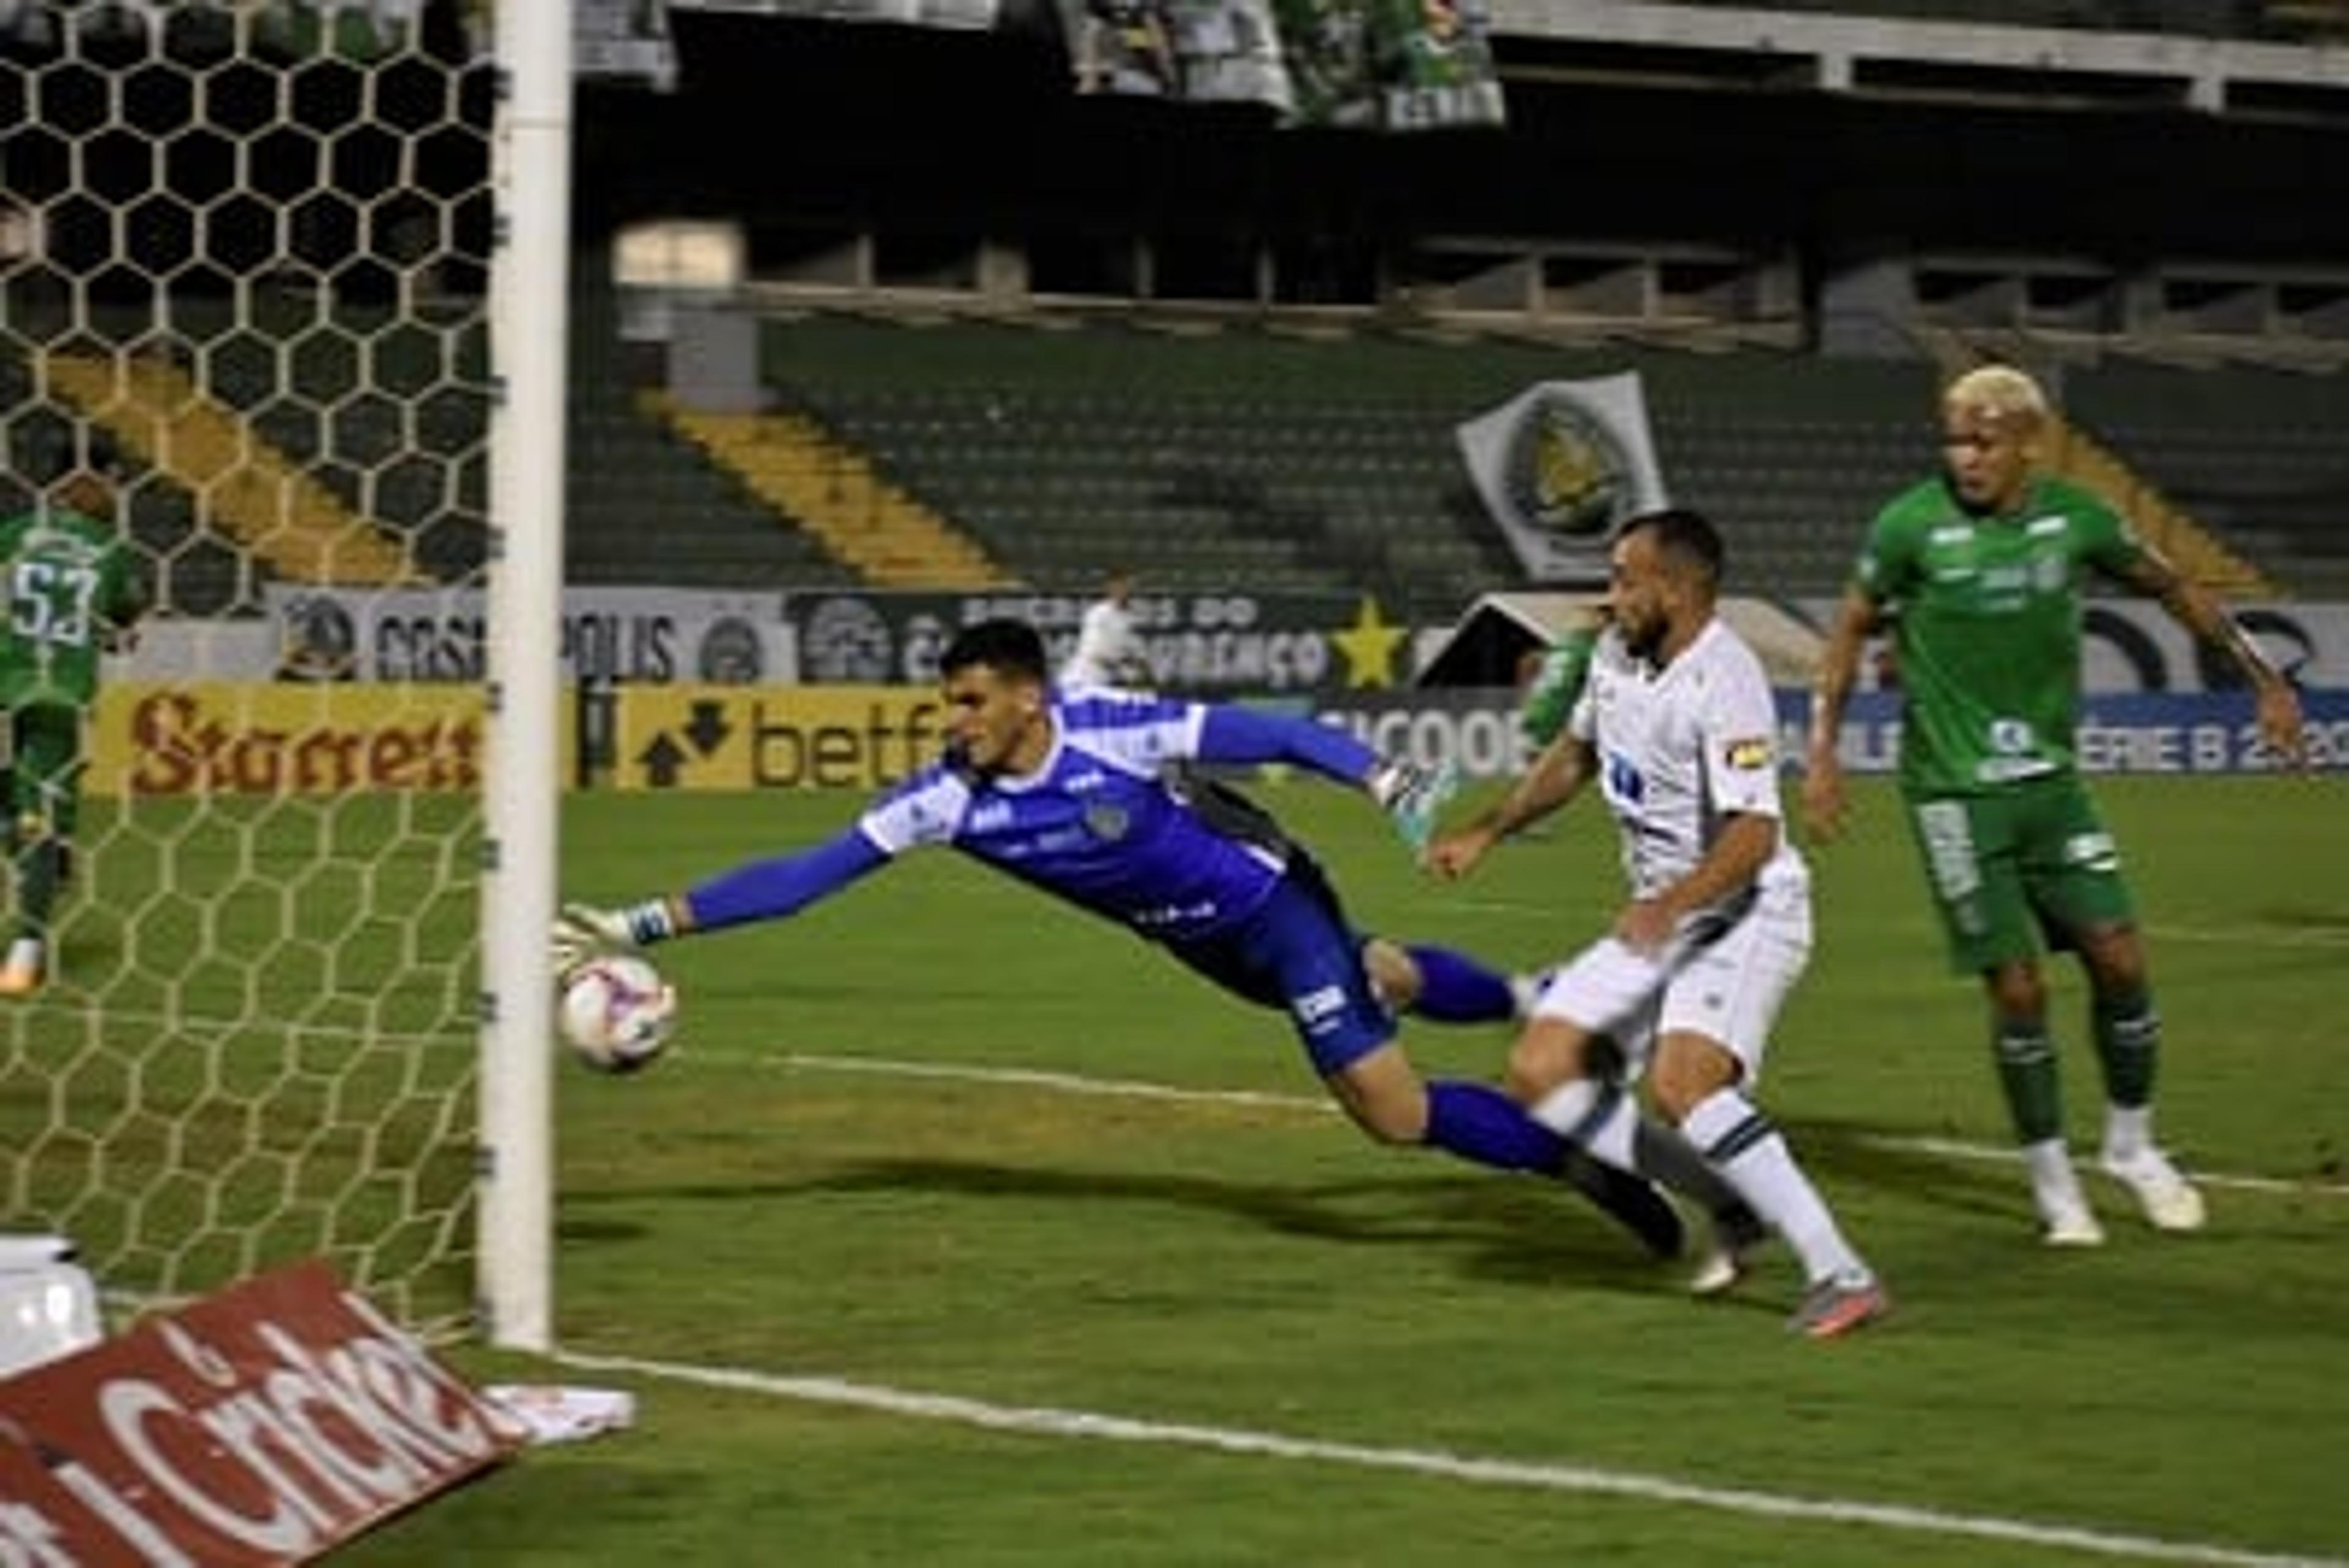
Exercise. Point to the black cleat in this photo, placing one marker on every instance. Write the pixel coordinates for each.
(1631, 1200)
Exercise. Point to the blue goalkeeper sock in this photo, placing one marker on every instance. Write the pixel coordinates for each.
(1456, 989)
(1479, 1122)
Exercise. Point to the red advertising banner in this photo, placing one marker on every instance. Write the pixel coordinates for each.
(260, 1426)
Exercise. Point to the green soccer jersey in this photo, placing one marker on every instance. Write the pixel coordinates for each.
(1555, 686)
(1986, 614)
(66, 583)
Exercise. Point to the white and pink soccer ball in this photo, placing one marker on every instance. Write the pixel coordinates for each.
(616, 1011)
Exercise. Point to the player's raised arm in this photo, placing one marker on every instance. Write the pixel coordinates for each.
(1412, 796)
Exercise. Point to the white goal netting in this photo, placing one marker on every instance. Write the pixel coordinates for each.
(243, 258)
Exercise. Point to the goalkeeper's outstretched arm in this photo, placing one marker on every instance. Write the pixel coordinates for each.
(768, 889)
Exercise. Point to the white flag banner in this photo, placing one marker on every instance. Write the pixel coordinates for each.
(1559, 465)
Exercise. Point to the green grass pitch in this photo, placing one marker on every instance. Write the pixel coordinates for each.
(942, 1142)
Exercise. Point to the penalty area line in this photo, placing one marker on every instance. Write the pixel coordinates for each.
(1138, 1089)
(1049, 1422)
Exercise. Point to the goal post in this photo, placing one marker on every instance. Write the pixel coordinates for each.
(530, 285)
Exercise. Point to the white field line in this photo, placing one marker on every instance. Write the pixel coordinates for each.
(1049, 1422)
(1137, 1089)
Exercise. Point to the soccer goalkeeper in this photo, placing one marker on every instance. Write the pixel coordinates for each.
(1091, 798)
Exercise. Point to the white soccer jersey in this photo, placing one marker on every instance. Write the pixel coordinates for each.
(1108, 650)
(1681, 750)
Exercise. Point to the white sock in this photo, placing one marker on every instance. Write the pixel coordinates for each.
(2052, 1179)
(2129, 1131)
(1739, 1141)
(1598, 1116)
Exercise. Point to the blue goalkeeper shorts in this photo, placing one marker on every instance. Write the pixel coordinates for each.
(1297, 952)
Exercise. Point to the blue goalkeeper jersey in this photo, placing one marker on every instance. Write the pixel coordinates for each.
(1110, 823)
(1106, 823)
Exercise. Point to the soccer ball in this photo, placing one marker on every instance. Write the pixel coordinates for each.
(616, 1013)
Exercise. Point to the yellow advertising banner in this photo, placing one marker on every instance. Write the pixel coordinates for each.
(285, 738)
(778, 737)
(269, 738)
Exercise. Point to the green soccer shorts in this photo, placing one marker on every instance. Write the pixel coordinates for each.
(40, 771)
(2016, 870)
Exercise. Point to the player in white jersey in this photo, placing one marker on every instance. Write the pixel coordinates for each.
(1108, 650)
(1678, 727)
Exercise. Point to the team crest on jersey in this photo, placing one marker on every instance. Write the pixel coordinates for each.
(1106, 820)
(1751, 751)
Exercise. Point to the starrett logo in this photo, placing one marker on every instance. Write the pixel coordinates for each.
(285, 740)
(261, 1426)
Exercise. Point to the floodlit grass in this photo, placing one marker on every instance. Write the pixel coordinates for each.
(874, 1157)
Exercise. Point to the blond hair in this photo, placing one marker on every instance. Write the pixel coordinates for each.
(2002, 391)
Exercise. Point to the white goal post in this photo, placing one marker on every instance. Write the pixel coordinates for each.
(529, 286)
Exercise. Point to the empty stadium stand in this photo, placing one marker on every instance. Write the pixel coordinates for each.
(289, 438)
(1199, 456)
(2259, 456)
(1204, 459)
(644, 506)
(1322, 461)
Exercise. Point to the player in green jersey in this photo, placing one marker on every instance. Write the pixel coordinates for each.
(70, 591)
(1552, 678)
(1976, 575)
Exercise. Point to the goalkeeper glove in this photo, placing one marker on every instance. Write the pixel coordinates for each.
(583, 930)
(1413, 796)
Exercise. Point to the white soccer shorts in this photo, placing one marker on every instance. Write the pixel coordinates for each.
(1729, 990)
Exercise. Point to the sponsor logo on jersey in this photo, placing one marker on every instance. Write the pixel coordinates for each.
(1316, 1007)
(2092, 852)
(1749, 753)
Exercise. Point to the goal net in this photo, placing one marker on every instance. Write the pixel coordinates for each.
(244, 253)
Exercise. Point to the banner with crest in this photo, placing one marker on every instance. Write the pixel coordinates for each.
(1559, 465)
